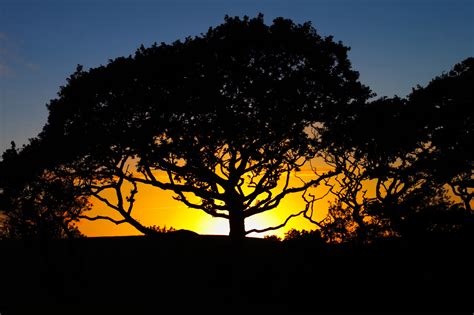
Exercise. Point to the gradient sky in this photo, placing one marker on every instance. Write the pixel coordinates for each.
(395, 44)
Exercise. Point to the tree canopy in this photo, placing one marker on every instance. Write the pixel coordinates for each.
(416, 153)
(226, 119)
(220, 119)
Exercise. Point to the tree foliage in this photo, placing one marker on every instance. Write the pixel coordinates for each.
(226, 119)
(445, 118)
(400, 159)
(219, 119)
(36, 203)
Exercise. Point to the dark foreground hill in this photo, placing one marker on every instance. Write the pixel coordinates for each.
(176, 273)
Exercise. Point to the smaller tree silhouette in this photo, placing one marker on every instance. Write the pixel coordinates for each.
(444, 113)
(37, 204)
(397, 158)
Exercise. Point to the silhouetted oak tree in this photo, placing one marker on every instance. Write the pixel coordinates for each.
(221, 119)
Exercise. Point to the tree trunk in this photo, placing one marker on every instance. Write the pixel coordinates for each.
(236, 224)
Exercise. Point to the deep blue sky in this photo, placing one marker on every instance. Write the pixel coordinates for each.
(395, 44)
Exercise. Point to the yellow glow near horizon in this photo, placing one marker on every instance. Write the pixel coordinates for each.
(157, 207)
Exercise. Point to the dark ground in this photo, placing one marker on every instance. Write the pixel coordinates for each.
(211, 274)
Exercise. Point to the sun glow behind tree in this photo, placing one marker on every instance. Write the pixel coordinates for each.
(158, 207)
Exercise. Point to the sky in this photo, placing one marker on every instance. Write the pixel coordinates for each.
(395, 45)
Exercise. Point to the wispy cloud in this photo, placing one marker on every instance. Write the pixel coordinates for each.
(3, 65)
(11, 58)
(32, 66)
(4, 70)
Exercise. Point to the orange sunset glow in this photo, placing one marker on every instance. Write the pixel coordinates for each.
(157, 207)
(154, 206)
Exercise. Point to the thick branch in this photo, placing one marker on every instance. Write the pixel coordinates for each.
(126, 214)
(182, 198)
(101, 217)
(131, 198)
(272, 228)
